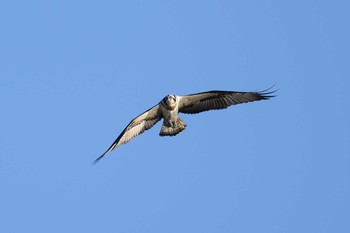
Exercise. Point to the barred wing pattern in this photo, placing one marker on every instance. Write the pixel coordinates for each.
(136, 127)
(214, 100)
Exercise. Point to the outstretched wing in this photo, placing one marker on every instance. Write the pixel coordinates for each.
(211, 100)
(136, 127)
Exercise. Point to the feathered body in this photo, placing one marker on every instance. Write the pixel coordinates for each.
(172, 123)
(169, 107)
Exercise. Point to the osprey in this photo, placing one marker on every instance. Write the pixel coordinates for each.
(170, 106)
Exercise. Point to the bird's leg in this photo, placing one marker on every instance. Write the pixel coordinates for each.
(173, 124)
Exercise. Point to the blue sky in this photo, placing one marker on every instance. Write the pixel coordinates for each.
(74, 73)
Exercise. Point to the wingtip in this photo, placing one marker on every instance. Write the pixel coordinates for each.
(99, 158)
(96, 160)
(268, 93)
(112, 147)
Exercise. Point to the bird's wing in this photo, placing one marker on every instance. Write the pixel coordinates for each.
(136, 127)
(211, 100)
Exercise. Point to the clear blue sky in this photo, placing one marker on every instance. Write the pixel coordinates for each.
(74, 73)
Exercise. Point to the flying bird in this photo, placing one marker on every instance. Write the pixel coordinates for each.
(170, 106)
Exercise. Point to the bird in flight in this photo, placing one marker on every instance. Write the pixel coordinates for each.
(170, 106)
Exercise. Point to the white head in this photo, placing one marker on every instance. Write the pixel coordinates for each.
(169, 102)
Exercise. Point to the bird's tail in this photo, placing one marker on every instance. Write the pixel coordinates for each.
(167, 130)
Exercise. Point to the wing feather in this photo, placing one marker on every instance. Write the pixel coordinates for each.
(214, 100)
(136, 127)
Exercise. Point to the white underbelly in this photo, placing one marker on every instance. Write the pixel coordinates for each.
(170, 115)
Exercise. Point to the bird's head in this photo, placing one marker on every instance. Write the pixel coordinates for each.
(169, 101)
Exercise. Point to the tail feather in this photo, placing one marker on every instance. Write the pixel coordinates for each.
(167, 130)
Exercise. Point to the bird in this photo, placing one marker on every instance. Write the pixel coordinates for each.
(171, 105)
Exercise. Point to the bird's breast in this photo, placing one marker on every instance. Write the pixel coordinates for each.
(170, 114)
(171, 106)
